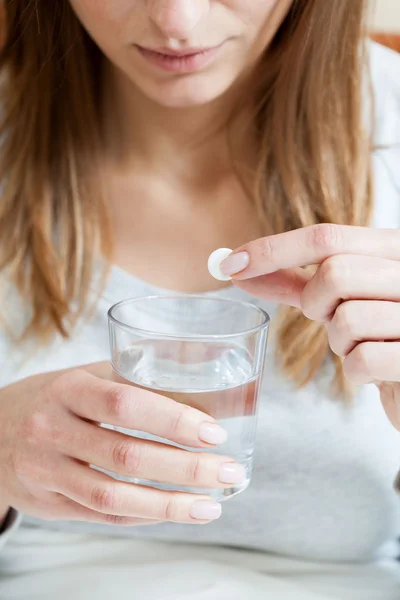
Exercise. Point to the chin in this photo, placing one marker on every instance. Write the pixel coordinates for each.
(188, 92)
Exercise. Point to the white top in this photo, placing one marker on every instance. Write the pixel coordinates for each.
(323, 480)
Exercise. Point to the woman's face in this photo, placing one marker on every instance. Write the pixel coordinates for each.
(233, 33)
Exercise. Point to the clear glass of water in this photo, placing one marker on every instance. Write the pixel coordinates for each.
(201, 351)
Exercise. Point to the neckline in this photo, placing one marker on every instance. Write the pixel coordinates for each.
(122, 285)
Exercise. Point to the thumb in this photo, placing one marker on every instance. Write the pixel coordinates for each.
(284, 287)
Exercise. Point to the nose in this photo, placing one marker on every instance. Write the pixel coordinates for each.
(177, 18)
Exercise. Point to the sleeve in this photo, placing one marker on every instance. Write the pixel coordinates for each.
(11, 524)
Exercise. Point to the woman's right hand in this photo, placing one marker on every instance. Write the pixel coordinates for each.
(51, 434)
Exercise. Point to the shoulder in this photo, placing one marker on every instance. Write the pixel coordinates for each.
(384, 78)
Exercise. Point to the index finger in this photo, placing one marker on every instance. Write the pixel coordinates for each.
(311, 246)
(133, 408)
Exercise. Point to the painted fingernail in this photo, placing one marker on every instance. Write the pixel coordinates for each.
(211, 433)
(235, 263)
(231, 473)
(204, 510)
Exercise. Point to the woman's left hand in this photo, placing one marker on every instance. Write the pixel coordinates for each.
(355, 292)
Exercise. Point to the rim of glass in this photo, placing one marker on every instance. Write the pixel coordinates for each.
(195, 336)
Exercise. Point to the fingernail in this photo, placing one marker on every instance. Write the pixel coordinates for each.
(211, 433)
(205, 510)
(231, 473)
(235, 263)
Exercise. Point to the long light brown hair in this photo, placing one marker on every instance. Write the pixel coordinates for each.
(313, 160)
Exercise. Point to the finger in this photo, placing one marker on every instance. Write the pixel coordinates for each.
(218, 407)
(310, 246)
(68, 510)
(284, 287)
(373, 361)
(133, 457)
(104, 494)
(390, 397)
(133, 408)
(347, 277)
(102, 369)
(358, 321)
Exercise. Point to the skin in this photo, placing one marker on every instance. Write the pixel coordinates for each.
(165, 155)
(244, 29)
(354, 292)
(55, 436)
(164, 140)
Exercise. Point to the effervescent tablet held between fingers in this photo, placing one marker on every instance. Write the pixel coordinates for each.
(215, 261)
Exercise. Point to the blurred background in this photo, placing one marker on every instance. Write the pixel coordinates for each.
(385, 22)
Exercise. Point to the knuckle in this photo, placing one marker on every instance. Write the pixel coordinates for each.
(344, 321)
(326, 237)
(363, 360)
(307, 302)
(31, 471)
(104, 499)
(266, 248)
(332, 272)
(170, 510)
(74, 377)
(36, 428)
(58, 386)
(195, 469)
(178, 420)
(117, 402)
(129, 456)
(336, 346)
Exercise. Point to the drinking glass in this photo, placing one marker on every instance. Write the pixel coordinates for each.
(205, 352)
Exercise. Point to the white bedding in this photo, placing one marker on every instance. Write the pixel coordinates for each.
(44, 564)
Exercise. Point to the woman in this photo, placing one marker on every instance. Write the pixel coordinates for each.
(132, 131)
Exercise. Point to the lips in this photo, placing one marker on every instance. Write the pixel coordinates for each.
(179, 53)
(179, 61)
